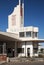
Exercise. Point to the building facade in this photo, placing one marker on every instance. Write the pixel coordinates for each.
(16, 25)
(19, 41)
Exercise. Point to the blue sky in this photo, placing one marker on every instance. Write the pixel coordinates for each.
(34, 14)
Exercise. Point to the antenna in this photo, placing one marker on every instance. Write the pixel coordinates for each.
(19, 2)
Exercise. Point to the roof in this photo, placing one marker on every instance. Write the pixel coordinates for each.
(7, 36)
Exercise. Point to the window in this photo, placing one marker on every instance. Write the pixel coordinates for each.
(9, 50)
(35, 34)
(21, 34)
(1, 49)
(28, 34)
(20, 50)
(35, 45)
(35, 50)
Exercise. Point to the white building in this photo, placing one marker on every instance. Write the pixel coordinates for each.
(19, 41)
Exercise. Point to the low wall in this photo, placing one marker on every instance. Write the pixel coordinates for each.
(3, 57)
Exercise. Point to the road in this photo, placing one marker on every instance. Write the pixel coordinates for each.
(23, 63)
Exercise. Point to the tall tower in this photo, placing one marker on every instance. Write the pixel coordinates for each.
(16, 18)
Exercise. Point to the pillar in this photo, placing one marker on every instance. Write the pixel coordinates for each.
(4, 48)
(25, 49)
(31, 50)
(15, 49)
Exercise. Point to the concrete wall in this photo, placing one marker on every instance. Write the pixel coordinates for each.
(15, 20)
(26, 46)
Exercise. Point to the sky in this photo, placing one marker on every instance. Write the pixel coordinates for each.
(33, 14)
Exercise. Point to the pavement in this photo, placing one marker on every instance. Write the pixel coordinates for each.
(1, 62)
(23, 63)
(25, 59)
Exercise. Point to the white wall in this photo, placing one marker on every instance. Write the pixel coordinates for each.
(28, 45)
(17, 20)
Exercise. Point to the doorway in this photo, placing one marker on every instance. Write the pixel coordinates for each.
(10, 47)
(28, 52)
(10, 52)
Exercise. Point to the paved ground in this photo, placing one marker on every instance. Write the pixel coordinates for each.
(23, 63)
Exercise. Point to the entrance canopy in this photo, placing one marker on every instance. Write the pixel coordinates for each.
(7, 36)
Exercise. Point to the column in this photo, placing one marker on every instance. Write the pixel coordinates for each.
(31, 50)
(25, 50)
(15, 49)
(4, 48)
